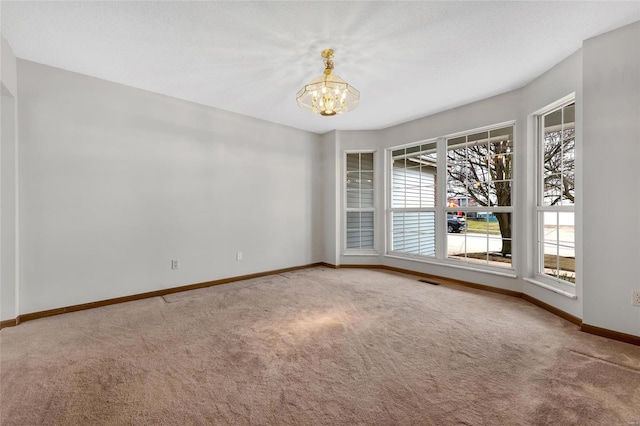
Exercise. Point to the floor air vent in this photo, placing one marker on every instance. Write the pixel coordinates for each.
(428, 282)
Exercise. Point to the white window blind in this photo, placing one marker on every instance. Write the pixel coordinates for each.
(360, 211)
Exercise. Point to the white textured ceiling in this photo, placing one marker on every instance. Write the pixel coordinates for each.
(408, 59)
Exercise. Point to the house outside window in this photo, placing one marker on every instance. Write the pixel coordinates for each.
(462, 215)
(413, 199)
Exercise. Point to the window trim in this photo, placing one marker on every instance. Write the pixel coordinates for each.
(538, 278)
(441, 209)
(389, 201)
(358, 252)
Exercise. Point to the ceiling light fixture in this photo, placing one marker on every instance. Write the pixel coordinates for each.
(328, 94)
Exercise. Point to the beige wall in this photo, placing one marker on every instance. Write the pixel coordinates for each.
(115, 182)
(612, 179)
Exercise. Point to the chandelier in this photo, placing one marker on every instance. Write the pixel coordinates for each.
(328, 94)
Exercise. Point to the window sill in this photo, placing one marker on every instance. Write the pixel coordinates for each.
(564, 293)
(360, 253)
(454, 266)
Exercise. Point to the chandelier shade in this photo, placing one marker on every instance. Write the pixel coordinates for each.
(328, 94)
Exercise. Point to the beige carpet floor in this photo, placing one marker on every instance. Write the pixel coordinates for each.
(317, 347)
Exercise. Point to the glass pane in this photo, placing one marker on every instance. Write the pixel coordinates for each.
(552, 190)
(478, 137)
(496, 256)
(552, 153)
(353, 199)
(569, 116)
(476, 246)
(456, 246)
(366, 161)
(353, 220)
(475, 222)
(457, 202)
(503, 134)
(456, 181)
(456, 155)
(411, 221)
(353, 239)
(397, 221)
(412, 194)
(551, 260)
(398, 180)
(353, 162)
(366, 198)
(427, 175)
(500, 223)
(566, 228)
(427, 233)
(397, 153)
(427, 196)
(495, 244)
(566, 246)
(427, 222)
(559, 267)
(478, 166)
(353, 180)
(366, 180)
(557, 248)
(399, 163)
(500, 166)
(428, 247)
(552, 121)
(429, 150)
(366, 239)
(366, 220)
(411, 228)
(411, 243)
(549, 223)
(397, 198)
(501, 193)
(482, 193)
(398, 241)
(412, 149)
(568, 189)
(412, 176)
(456, 142)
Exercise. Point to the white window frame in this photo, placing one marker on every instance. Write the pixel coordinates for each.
(494, 209)
(441, 209)
(350, 251)
(391, 209)
(539, 278)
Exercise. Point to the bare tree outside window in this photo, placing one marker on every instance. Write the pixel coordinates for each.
(558, 160)
(556, 214)
(480, 173)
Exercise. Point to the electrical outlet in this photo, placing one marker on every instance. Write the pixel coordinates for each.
(239, 255)
(636, 298)
(175, 264)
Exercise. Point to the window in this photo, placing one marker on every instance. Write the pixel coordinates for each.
(479, 195)
(413, 200)
(359, 201)
(555, 209)
(464, 216)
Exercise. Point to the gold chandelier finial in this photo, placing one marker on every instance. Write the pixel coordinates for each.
(327, 54)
